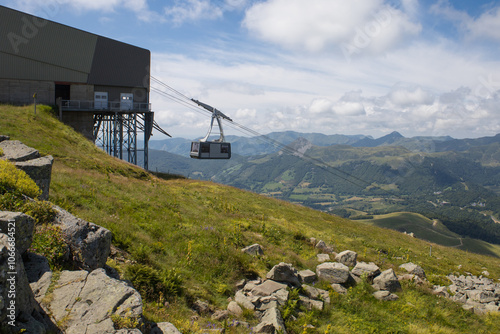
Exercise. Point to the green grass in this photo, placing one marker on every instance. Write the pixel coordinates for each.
(198, 228)
(432, 231)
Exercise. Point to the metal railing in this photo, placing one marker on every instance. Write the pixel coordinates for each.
(105, 106)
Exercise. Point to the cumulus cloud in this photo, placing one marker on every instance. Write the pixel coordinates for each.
(318, 25)
(406, 97)
(349, 109)
(486, 26)
(320, 106)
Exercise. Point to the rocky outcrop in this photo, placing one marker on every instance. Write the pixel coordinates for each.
(89, 243)
(478, 294)
(33, 299)
(31, 162)
(22, 225)
(39, 170)
(19, 310)
(86, 302)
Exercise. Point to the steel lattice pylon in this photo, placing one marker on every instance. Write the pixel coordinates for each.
(116, 133)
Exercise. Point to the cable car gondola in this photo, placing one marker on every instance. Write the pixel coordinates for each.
(216, 149)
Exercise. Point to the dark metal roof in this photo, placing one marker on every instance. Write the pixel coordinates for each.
(119, 64)
(32, 48)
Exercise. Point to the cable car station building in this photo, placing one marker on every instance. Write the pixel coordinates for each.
(100, 85)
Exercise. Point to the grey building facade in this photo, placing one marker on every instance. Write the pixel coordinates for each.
(93, 79)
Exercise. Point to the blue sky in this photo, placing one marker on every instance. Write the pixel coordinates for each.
(428, 67)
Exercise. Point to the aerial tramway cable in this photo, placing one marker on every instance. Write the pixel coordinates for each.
(182, 99)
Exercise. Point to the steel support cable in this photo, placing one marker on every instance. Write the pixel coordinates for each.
(321, 164)
(186, 101)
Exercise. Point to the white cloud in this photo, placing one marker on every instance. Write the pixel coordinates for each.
(320, 106)
(349, 109)
(192, 10)
(486, 26)
(407, 97)
(317, 25)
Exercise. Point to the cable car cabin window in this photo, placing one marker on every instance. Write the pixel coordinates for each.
(195, 147)
(210, 150)
(205, 148)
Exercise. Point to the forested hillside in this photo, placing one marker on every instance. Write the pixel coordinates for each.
(460, 188)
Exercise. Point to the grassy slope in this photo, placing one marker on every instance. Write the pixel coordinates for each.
(199, 227)
(431, 231)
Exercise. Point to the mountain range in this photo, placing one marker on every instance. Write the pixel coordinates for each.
(454, 180)
(273, 142)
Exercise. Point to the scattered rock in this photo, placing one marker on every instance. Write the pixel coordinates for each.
(271, 322)
(370, 269)
(240, 284)
(387, 280)
(220, 315)
(413, 269)
(89, 243)
(339, 289)
(323, 258)
(311, 292)
(482, 296)
(321, 245)
(267, 288)
(165, 328)
(385, 295)
(201, 307)
(253, 250)
(243, 300)
(284, 272)
(441, 291)
(307, 276)
(311, 304)
(234, 309)
(333, 272)
(347, 257)
(252, 284)
(281, 296)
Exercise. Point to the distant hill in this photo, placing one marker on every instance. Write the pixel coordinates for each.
(430, 230)
(273, 142)
(370, 179)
